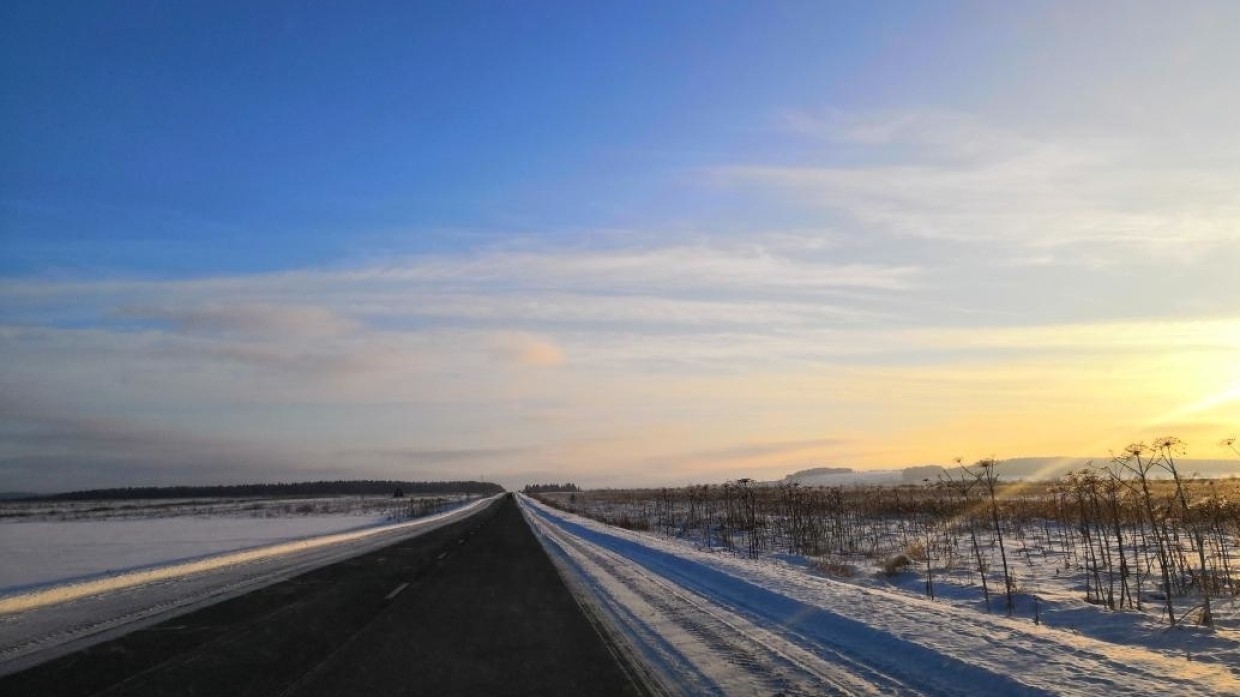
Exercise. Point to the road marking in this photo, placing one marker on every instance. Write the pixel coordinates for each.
(396, 591)
(441, 556)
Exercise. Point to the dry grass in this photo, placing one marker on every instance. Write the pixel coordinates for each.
(916, 551)
(831, 568)
(630, 523)
(897, 564)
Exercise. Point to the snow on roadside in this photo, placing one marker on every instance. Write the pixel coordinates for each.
(59, 592)
(50, 553)
(49, 621)
(936, 647)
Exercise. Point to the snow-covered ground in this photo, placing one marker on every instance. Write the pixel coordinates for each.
(43, 617)
(58, 542)
(710, 622)
(241, 507)
(41, 553)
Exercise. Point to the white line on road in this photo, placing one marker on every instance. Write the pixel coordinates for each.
(396, 591)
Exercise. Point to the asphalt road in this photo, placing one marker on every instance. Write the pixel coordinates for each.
(473, 608)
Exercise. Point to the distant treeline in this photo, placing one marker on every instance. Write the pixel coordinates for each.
(544, 488)
(371, 487)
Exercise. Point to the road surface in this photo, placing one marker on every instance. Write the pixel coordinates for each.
(475, 607)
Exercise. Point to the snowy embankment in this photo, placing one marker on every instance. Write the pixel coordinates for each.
(711, 623)
(43, 553)
(42, 620)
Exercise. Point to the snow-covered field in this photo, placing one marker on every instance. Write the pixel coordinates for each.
(48, 553)
(54, 543)
(711, 622)
(169, 566)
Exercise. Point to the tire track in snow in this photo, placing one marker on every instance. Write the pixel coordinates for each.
(938, 648)
(726, 653)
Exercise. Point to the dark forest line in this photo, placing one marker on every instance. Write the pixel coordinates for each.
(359, 487)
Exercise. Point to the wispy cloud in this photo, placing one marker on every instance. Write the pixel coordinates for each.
(949, 176)
(441, 456)
(46, 450)
(938, 305)
(749, 452)
(925, 133)
(254, 319)
(527, 349)
(619, 286)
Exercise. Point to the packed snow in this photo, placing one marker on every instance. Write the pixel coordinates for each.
(705, 621)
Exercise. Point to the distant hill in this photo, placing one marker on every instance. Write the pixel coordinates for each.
(920, 473)
(1029, 468)
(817, 471)
(370, 487)
(842, 476)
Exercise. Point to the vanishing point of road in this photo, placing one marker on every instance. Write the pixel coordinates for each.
(474, 607)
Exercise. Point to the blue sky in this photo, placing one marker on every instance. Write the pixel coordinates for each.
(623, 243)
(205, 138)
